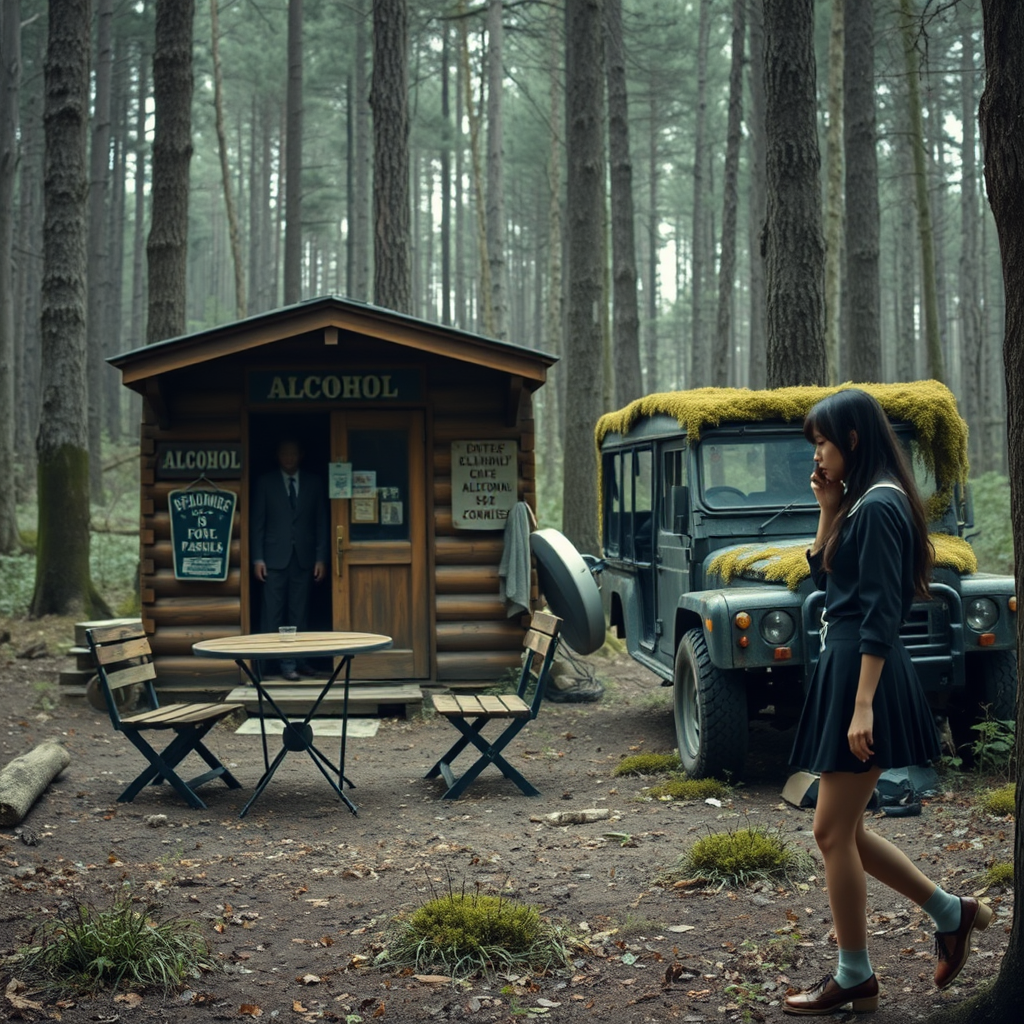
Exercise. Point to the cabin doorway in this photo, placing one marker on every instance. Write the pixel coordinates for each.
(311, 431)
(379, 539)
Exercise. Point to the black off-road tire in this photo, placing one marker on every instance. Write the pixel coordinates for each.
(992, 684)
(711, 719)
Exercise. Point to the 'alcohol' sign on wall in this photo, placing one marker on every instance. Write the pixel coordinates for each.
(485, 477)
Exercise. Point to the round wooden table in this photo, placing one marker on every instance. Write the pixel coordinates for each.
(258, 647)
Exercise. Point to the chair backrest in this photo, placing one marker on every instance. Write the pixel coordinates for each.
(540, 644)
(123, 657)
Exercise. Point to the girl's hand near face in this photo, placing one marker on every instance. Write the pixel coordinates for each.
(828, 493)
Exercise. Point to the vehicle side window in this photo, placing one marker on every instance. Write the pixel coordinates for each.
(611, 468)
(643, 488)
(673, 486)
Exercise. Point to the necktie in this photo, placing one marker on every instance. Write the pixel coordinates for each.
(291, 491)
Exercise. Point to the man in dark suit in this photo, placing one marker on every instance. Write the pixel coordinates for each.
(288, 542)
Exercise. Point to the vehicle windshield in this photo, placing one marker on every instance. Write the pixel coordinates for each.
(756, 471)
(773, 472)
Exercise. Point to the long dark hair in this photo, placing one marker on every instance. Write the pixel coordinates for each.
(877, 456)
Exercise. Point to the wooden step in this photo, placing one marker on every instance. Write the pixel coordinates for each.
(386, 700)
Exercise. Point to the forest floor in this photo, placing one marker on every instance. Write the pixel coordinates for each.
(294, 898)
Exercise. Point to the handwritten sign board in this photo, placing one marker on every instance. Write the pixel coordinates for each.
(201, 533)
(484, 483)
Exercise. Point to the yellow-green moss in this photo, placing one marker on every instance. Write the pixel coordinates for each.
(647, 764)
(689, 789)
(1001, 801)
(928, 404)
(788, 564)
(1000, 873)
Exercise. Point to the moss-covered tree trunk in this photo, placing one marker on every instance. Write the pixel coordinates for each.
(1001, 113)
(62, 556)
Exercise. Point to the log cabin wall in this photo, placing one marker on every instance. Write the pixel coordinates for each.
(473, 641)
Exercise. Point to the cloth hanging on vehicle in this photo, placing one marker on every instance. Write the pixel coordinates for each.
(514, 570)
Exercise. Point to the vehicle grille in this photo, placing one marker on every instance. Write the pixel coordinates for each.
(926, 630)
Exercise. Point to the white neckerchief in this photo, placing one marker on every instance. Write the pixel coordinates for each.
(874, 487)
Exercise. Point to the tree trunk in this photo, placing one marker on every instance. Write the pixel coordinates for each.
(794, 248)
(834, 192)
(864, 337)
(293, 164)
(446, 179)
(98, 265)
(496, 261)
(971, 318)
(730, 202)
(10, 80)
(929, 298)
(653, 379)
(700, 350)
(24, 780)
(225, 169)
(626, 338)
(1000, 115)
(584, 81)
(114, 303)
(139, 184)
(62, 584)
(167, 247)
(361, 199)
(758, 375)
(389, 100)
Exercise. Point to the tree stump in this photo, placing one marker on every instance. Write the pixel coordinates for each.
(25, 778)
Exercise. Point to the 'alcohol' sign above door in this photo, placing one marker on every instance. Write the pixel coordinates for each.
(360, 385)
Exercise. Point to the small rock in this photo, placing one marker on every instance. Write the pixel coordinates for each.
(156, 820)
(25, 871)
(36, 650)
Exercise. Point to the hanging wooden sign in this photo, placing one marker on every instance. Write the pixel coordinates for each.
(201, 522)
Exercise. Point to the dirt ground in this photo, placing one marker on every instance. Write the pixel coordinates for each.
(294, 897)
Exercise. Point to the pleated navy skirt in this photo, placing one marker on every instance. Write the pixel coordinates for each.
(904, 726)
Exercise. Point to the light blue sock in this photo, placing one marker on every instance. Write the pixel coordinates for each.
(854, 967)
(943, 909)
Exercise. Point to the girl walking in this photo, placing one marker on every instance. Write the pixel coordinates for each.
(865, 710)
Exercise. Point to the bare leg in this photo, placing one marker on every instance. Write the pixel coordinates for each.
(842, 799)
(891, 866)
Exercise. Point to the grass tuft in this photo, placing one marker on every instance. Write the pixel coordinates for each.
(740, 857)
(647, 764)
(89, 949)
(683, 788)
(1001, 873)
(1001, 801)
(469, 934)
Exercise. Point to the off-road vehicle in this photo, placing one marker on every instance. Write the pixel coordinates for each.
(707, 513)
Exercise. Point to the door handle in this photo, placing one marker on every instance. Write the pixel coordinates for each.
(340, 549)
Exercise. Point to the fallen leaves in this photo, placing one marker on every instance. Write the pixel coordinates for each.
(15, 994)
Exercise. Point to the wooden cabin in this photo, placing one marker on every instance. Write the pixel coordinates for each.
(380, 396)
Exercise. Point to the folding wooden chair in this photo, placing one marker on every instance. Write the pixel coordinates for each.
(469, 714)
(123, 657)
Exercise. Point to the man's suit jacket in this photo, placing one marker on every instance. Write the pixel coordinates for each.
(275, 528)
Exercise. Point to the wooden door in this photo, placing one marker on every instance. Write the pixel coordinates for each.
(380, 544)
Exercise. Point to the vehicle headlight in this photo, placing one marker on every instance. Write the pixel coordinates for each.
(777, 627)
(981, 613)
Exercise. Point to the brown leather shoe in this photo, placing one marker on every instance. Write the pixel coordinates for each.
(827, 996)
(953, 948)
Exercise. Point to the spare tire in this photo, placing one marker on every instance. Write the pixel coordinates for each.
(570, 589)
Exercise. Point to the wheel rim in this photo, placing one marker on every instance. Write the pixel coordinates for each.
(688, 715)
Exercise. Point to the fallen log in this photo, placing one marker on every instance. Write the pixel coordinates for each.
(25, 778)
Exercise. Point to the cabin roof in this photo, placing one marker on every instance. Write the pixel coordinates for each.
(331, 313)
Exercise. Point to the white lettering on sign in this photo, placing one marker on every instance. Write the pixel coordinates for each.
(314, 386)
(201, 458)
(485, 483)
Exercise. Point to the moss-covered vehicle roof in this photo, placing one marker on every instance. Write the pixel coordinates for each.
(927, 404)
